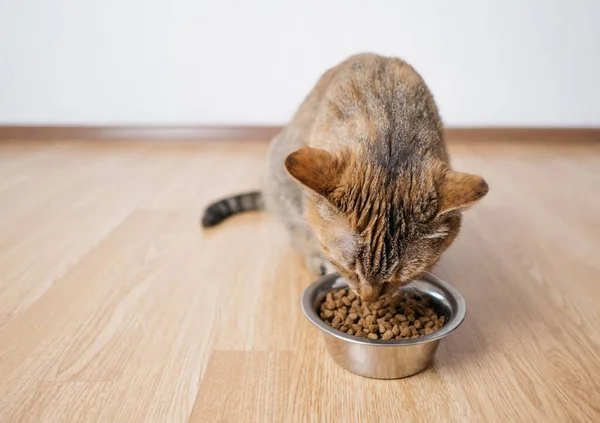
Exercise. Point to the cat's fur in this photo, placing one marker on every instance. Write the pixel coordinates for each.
(361, 176)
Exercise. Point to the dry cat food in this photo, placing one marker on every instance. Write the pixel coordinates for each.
(396, 316)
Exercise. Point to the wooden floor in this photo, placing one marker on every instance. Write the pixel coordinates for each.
(116, 307)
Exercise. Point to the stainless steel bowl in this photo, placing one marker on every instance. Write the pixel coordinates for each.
(380, 359)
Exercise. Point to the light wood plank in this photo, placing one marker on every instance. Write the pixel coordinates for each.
(244, 383)
(115, 306)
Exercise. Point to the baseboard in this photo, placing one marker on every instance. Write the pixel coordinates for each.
(135, 133)
(524, 134)
(237, 132)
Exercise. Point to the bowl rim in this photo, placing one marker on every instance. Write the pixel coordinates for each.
(451, 325)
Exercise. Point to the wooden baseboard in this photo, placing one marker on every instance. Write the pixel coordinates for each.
(235, 132)
(135, 133)
(516, 134)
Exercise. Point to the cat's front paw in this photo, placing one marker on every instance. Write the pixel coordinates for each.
(319, 266)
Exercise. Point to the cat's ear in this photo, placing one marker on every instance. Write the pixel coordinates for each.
(460, 190)
(316, 169)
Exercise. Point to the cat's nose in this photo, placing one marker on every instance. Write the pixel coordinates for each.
(370, 293)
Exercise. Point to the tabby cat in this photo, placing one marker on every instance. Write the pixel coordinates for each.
(361, 177)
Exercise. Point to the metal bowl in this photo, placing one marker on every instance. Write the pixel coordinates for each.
(380, 359)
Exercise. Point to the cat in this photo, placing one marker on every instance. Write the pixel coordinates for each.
(361, 177)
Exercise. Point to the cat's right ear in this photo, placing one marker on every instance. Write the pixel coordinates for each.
(316, 169)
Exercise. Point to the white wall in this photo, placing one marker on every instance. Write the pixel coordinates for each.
(494, 62)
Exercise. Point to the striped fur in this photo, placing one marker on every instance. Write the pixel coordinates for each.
(367, 150)
(227, 207)
(361, 177)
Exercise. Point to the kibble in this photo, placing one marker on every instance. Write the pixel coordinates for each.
(396, 316)
(388, 334)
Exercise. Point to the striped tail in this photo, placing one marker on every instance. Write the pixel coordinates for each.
(227, 207)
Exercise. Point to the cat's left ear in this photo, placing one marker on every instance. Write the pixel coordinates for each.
(316, 169)
(460, 190)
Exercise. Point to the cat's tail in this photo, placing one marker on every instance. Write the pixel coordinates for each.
(227, 207)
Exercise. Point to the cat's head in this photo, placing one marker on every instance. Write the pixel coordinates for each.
(381, 229)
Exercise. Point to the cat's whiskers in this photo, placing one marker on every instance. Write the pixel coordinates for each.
(416, 292)
(419, 284)
(416, 282)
